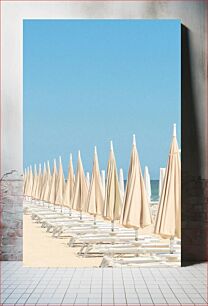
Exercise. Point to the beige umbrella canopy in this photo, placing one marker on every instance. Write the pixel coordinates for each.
(113, 201)
(88, 180)
(60, 185)
(69, 186)
(121, 183)
(80, 188)
(103, 181)
(136, 211)
(52, 191)
(29, 184)
(35, 181)
(95, 199)
(25, 178)
(44, 179)
(39, 184)
(168, 220)
(46, 193)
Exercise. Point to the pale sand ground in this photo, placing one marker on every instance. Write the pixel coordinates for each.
(40, 249)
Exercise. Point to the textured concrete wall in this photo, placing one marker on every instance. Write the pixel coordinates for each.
(11, 217)
(194, 142)
(194, 220)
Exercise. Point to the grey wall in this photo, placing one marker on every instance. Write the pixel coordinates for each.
(194, 97)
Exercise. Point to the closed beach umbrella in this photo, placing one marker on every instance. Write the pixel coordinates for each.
(103, 181)
(46, 194)
(44, 179)
(31, 182)
(168, 220)
(162, 175)
(25, 177)
(95, 199)
(35, 180)
(52, 191)
(80, 188)
(29, 186)
(60, 185)
(113, 201)
(69, 186)
(147, 182)
(136, 211)
(88, 179)
(39, 183)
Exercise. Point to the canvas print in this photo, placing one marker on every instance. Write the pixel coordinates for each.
(102, 143)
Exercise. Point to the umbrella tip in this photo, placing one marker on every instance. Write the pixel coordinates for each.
(134, 140)
(95, 150)
(79, 154)
(70, 156)
(60, 159)
(111, 145)
(174, 130)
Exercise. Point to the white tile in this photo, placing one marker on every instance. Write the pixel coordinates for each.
(183, 300)
(132, 300)
(32, 300)
(145, 301)
(94, 301)
(158, 300)
(81, 301)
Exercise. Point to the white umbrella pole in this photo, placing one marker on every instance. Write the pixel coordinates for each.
(69, 212)
(80, 215)
(171, 245)
(136, 234)
(112, 226)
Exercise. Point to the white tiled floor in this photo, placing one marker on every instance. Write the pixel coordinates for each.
(117, 286)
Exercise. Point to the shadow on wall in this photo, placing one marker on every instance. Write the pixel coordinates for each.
(194, 205)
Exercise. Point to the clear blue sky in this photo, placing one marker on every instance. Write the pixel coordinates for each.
(89, 81)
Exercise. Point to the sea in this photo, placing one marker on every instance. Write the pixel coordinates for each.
(154, 190)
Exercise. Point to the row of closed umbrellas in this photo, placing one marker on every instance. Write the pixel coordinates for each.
(133, 210)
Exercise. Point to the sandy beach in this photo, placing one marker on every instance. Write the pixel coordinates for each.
(40, 249)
